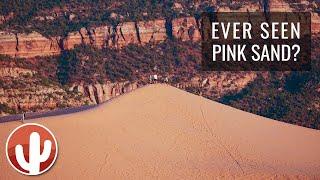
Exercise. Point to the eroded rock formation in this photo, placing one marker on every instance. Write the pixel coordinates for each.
(154, 31)
(99, 93)
(15, 72)
(34, 44)
(186, 29)
(28, 45)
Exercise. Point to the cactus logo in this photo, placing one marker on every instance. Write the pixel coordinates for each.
(31, 149)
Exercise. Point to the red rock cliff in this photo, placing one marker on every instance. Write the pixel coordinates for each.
(155, 31)
(34, 44)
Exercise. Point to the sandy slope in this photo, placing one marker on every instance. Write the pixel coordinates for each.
(162, 132)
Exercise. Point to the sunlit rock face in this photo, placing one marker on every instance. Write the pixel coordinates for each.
(186, 29)
(118, 36)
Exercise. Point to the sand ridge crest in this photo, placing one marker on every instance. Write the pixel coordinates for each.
(160, 132)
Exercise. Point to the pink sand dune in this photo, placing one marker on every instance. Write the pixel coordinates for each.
(160, 132)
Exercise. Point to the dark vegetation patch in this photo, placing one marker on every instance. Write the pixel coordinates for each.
(133, 62)
(292, 97)
(288, 97)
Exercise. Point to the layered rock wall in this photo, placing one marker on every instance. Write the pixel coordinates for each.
(155, 31)
(34, 44)
(28, 45)
(186, 29)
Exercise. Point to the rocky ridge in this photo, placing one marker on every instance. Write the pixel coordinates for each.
(32, 96)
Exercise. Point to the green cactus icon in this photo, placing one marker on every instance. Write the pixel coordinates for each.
(35, 158)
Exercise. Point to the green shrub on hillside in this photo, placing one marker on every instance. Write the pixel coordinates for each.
(67, 63)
